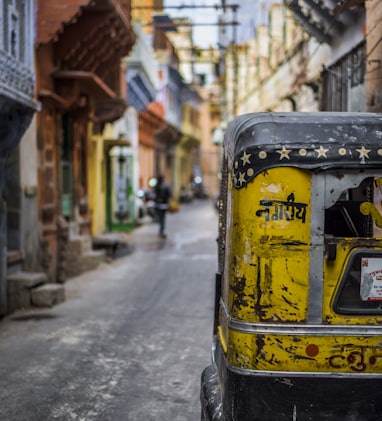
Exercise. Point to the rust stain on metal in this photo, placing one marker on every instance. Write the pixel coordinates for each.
(238, 289)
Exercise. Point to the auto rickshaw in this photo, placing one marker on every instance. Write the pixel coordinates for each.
(298, 310)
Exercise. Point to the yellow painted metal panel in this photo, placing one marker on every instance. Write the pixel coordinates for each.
(336, 354)
(269, 240)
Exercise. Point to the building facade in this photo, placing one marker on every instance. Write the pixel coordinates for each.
(17, 107)
(373, 58)
(80, 86)
(308, 56)
(143, 84)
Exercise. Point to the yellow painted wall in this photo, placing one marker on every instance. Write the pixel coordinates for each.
(97, 183)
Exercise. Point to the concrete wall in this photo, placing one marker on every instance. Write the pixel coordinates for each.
(279, 75)
(374, 55)
(30, 241)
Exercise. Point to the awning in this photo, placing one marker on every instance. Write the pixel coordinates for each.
(89, 81)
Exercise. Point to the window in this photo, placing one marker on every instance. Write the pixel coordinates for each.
(357, 213)
(360, 290)
(13, 31)
(346, 218)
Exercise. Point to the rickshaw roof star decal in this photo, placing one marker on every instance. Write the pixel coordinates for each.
(241, 179)
(363, 152)
(284, 153)
(245, 158)
(321, 152)
(334, 140)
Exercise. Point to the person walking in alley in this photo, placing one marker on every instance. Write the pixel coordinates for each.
(162, 198)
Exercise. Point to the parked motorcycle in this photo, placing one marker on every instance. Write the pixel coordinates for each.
(147, 206)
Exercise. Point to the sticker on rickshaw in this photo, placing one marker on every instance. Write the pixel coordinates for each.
(371, 279)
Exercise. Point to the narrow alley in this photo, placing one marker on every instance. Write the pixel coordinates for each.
(131, 340)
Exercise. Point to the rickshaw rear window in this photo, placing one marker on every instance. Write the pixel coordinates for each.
(346, 219)
(357, 214)
(361, 286)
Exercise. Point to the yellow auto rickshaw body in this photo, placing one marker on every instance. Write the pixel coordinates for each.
(298, 327)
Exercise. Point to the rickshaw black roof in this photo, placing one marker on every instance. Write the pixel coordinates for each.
(317, 141)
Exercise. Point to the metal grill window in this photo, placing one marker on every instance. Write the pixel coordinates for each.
(357, 67)
(339, 78)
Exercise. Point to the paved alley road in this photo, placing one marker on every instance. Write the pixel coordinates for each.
(131, 340)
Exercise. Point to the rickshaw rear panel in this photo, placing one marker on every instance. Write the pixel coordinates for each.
(298, 317)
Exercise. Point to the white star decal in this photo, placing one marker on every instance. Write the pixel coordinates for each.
(284, 153)
(321, 152)
(241, 179)
(363, 152)
(245, 158)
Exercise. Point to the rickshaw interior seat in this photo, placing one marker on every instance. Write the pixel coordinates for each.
(344, 219)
